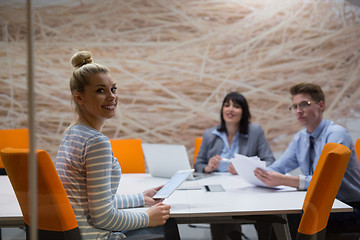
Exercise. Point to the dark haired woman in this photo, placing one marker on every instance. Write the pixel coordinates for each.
(235, 134)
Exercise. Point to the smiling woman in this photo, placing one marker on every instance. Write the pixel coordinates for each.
(235, 134)
(93, 91)
(98, 103)
(89, 171)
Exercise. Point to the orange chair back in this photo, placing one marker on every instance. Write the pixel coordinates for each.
(323, 188)
(357, 149)
(130, 155)
(54, 210)
(198, 141)
(15, 138)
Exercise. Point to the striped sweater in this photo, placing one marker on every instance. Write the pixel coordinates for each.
(90, 175)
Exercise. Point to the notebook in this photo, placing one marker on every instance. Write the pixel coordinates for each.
(175, 181)
(164, 160)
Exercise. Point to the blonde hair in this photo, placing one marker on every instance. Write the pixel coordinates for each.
(84, 67)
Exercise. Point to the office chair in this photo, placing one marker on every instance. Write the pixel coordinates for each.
(129, 154)
(197, 145)
(357, 149)
(56, 218)
(15, 138)
(320, 195)
(322, 191)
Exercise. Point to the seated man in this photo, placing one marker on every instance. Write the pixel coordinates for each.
(304, 152)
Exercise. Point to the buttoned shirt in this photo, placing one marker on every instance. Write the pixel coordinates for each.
(252, 144)
(227, 151)
(297, 155)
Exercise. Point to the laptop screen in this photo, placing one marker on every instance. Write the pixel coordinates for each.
(164, 160)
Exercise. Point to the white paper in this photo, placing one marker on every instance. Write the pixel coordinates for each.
(245, 167)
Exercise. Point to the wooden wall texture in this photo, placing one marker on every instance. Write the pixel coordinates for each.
(174, 61)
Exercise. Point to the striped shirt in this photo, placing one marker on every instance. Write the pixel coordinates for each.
(91, 175)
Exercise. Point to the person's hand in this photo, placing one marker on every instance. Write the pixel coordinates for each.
(148, 194)
(213, 164)
(231, 169)
(158, 214)
(274, 179)
(270, 178)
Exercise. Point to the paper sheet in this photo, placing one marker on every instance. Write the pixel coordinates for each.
(245, 167)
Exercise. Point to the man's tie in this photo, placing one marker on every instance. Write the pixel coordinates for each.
(311, 155)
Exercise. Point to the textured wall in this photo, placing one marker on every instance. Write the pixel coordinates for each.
(175, 61)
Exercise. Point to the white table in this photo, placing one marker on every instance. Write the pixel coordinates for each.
(193, 206)
(238, 199)
(10, 212)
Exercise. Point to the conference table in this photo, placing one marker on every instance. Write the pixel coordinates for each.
(191, 203)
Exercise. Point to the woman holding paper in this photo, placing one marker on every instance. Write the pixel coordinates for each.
(235, 134)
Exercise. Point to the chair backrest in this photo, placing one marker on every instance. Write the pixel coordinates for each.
(198, 141)
(55, 213)
(15, 138)
(323, 188)
(357, 149)
(130, 155)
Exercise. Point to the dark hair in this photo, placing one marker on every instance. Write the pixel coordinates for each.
(312, 89)
(237, 98)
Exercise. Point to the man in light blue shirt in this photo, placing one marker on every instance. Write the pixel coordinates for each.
(308, 106)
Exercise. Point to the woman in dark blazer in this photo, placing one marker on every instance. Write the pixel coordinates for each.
(235, 134)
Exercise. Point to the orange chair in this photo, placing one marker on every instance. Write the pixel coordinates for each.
(198, 141)
(56, 218)
(16, 138)
(129, 154)
(322, 191)
(357, 149)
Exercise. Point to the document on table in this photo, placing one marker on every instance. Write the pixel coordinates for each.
(245, 167)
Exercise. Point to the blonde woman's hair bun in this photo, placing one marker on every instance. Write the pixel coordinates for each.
(81, 58)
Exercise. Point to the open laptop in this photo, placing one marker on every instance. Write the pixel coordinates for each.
(164, 160)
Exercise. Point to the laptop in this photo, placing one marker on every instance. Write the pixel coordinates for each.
(164, 160)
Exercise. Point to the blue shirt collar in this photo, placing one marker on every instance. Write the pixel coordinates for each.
(228, 151)
(318, 129)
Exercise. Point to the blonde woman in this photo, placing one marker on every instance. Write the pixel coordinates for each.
(89, 171)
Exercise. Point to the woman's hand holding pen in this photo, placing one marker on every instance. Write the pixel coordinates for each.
(213, 164)
(149, 193)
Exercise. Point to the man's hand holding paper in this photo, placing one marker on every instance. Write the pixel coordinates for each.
(270, 178)
(245, 167)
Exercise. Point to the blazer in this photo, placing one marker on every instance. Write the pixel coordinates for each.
(252, 144)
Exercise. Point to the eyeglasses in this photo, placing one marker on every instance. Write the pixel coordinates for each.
(302, 106)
